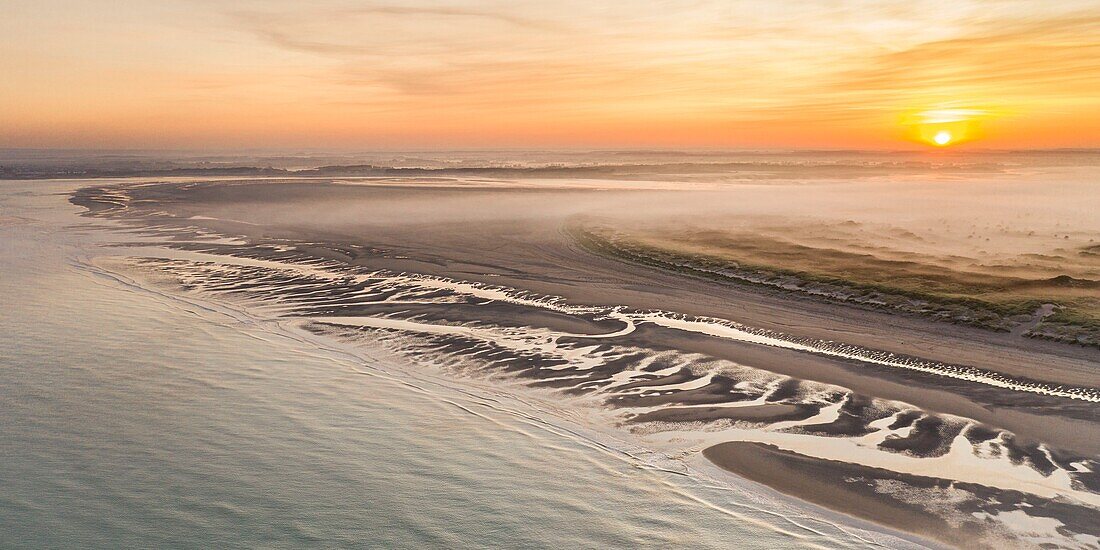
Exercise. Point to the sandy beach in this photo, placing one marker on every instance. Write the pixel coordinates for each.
(488, 280)
(882, 496)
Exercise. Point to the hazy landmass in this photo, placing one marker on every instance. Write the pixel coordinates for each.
(678, 166)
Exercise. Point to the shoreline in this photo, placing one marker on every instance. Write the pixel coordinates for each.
(869, 493)
(518, 331)
(565, 422)
(564, 269)
(715, 470)
(801, 477)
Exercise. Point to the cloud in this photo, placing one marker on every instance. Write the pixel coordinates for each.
(376, 30)
(991, 66)
(455, 13)
(1056, 55)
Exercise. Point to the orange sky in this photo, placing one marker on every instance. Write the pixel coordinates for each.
(356, 74)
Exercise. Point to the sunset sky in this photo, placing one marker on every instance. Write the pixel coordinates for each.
(360, 74)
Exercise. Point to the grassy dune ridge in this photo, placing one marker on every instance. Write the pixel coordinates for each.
(1060, 308)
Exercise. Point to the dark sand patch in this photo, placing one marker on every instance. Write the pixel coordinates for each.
(855, 490)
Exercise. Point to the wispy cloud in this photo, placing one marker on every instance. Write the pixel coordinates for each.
(374, 30)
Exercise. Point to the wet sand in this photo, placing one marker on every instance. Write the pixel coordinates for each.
(884, 497)
(655, 377)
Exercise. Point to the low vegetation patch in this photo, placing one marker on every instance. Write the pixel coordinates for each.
(1001, 303)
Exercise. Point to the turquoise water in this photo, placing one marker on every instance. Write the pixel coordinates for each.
(132, 418)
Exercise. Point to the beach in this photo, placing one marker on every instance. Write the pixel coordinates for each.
(136, 416)
(487, 281)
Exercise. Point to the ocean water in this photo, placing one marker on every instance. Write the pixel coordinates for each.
(132, 418)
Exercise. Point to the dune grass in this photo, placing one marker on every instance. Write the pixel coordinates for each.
(987, 300)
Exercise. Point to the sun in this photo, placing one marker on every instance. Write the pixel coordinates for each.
(945, 126)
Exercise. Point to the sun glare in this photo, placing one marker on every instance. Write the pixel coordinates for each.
(945, 127)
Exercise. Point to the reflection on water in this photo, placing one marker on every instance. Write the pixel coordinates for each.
(134, 419)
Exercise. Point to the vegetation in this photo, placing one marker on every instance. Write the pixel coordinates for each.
(989, 301)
